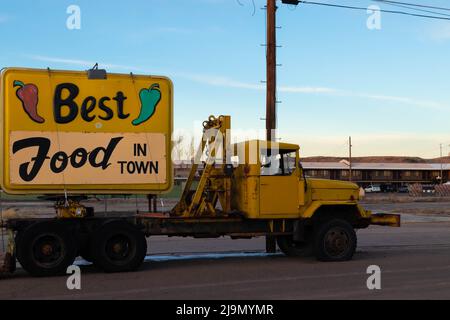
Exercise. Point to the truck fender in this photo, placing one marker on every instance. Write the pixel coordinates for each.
(319, 207)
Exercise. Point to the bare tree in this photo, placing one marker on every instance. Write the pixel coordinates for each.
(190, 151)
(178, 150)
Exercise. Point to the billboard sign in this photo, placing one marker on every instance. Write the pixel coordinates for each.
(65, 132)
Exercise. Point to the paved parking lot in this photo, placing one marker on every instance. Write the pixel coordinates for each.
(414, 260)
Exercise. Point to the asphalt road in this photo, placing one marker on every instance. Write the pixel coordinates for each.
(414, 262)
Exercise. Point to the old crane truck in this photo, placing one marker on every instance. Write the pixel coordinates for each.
(70, 134)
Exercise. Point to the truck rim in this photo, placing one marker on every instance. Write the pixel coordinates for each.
(337, 242)
(119, 248)
(48, 250)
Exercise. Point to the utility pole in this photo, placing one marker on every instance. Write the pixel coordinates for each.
(271, 81)
(271, 84)
(350, 158)
(442, 165)
(271, 88)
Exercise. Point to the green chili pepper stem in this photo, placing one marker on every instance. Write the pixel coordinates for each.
(18, 83)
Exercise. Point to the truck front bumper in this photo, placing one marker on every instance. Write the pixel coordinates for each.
(385, 219)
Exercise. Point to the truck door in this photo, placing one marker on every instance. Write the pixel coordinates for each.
(279, 185)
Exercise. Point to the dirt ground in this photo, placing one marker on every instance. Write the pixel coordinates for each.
(400, 198)
(393, 203)
(405, 204)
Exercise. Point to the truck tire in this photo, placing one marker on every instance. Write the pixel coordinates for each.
(45, 249)
(296, 249)
(118, 246)
(335, 240)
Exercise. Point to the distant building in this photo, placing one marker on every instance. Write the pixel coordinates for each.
(395, 174)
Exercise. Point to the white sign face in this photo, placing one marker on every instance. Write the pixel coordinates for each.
(50, 158)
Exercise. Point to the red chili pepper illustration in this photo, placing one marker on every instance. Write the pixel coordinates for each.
(29, 95)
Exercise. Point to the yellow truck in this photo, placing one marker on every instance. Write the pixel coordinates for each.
(244, 190)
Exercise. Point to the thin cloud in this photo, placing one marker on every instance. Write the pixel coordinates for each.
(404, 100)
(83, 63)
(174, 30)
(226, 82)
(374, 137)
(231, 83)
(440, 32)
(221, 82)
(307, 90)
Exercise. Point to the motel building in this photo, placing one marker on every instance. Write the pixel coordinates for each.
(383, 174)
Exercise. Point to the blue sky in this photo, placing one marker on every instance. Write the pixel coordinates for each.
(388, 88)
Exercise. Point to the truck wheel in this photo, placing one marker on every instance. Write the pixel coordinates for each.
(118, 246)
(335, 240)
(291, 248)
(45, 249)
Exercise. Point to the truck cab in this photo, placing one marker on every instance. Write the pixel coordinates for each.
(269, 183)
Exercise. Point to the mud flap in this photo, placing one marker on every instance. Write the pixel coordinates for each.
(8, 265)
(8, 259)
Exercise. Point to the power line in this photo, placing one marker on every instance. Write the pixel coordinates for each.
(412, 8)
(380, 10)
(254, 6)
(414, 4)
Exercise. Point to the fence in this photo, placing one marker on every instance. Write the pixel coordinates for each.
(418, 190)
(443, 190)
